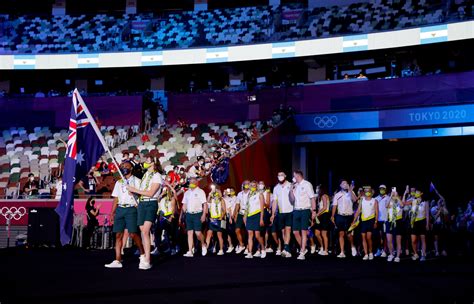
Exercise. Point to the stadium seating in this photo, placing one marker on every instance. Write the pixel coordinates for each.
(85, 34)
(41, 151)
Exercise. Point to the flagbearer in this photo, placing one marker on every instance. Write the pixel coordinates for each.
(124, 214)
(149, 191)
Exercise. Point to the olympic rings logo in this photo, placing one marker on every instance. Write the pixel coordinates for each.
(324, 122)
(13, 213)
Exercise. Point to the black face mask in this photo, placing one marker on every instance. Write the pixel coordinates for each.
(125, 171)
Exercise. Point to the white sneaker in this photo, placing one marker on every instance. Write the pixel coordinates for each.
(320, 250)
(423, 258)
(257, 254)
(221, 252)
(323, 253)
(123, 253)
(383, 254)
(354, 251)
(155, 251)
(204, 250)
(415, 257)
(188, 254)
(264, 254)
(239, 249)
(341, 255)
(194, 250)
(288, 255)
(365, 258)
(397, 260)
(246, 251)
(230, 249)
(313, 249)
(249, 256)
(305, 251)
(141, 257)
(114, 264)
(269, 250)
(278, 252)
(378, 253)
(301, 257)
(390, 258)
(436, 254)
(144, 265)
(371, 256)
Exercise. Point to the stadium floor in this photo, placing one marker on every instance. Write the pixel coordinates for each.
(78, 276)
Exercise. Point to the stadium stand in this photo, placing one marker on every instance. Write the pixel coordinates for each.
(83, 34)
(41, 152)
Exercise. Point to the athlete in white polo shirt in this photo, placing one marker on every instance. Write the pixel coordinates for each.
(240, 210)
(304, 210)
(283, 211)
(124, 214)
(195, 210)
(343, 204)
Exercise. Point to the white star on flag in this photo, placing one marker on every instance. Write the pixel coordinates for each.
(80, 158)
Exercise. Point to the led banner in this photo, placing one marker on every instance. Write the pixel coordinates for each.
(399, 118)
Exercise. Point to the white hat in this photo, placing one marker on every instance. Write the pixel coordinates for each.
(383, 186)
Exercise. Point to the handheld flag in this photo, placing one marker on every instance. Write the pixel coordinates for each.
(84, 147)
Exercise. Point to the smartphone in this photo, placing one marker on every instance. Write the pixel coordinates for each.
(394, 189)
(352, 183)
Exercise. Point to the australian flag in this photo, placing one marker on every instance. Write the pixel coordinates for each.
(84, 147)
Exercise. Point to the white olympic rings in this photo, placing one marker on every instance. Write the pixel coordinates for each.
(13, 212)
(325, 121)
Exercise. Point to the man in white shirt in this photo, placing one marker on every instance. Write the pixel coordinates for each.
(343, 203)
(304, 210)
(230, 200)
(282, 211)
(382, 200)
(124, 214)
(239, 213)
(195, 210)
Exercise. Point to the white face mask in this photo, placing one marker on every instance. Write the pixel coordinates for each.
(261, 187)
(281, 178)
(294, 179)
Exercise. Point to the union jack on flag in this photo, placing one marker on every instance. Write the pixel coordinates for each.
(80, 120)
(84, 147)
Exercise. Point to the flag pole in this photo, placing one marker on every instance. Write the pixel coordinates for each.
(96, 129)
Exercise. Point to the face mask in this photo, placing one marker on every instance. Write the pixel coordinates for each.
(192, 186)
(294, 179)
(261, 187)
(213, 187)
(232, 193)
(253, 189)
(125, 171)
(246, 186)
(32, 178)
(281, 179)
(382, 191)
(417, 195)
(368, 194)
(146, 165)
(413, 193)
